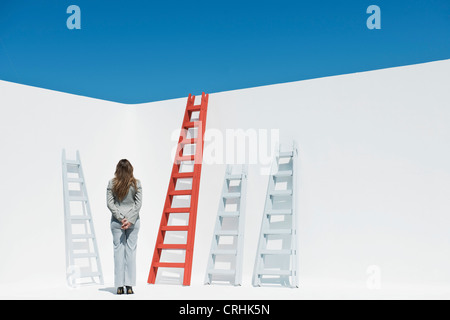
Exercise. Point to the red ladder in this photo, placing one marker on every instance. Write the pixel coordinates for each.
(184, 167)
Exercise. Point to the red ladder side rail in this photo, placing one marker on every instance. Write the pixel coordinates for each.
(171, 192)
(195, 189)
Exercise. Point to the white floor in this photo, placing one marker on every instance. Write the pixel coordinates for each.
(312, 289)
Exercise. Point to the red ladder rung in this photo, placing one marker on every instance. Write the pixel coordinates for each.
(184, 158)
(169, 264)
(186, 192)
(177, 210)
(188, 141)
(164, 246)
(174, 228)
(181, 175)
(195, 107)
(190, 124)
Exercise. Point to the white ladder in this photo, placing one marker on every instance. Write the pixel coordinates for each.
(225, 256)
(82, 256)
(276, 258)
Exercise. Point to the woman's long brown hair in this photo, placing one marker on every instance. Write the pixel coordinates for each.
(123, 179)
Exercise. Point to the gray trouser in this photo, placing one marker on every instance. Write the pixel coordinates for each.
(125, 243)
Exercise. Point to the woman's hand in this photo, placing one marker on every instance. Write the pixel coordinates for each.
(125, 224)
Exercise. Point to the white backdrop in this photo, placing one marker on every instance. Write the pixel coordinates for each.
(374, 182)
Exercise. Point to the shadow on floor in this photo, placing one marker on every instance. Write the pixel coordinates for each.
(111, 290)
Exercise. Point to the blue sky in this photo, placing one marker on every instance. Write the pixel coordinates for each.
(142, 51)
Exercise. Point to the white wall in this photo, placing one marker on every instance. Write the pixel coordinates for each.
(374, 160)
(375, 168)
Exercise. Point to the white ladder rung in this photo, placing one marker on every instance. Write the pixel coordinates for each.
(286, 154)
(90, 274)
(229, 195)
(77, 198)
(80, 217)
(221, 271)
(75, 180)
(84, 255)
(234, 177)
(276, 252)
(228, 213)
(72, 162)
(224, 251)
(82, 236)
(283, 173)
(277, 231)
(287, 192)
(226, 233)
(279, 212)
(269, 272)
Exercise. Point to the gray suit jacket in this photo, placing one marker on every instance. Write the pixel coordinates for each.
(129, 207)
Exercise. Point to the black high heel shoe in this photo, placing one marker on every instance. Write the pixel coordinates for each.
(120, 290)
(130, 290)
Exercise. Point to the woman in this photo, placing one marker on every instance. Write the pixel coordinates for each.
(124, 200)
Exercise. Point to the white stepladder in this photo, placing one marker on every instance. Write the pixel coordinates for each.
(226, 254)
(276, 257)
(82, 255)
